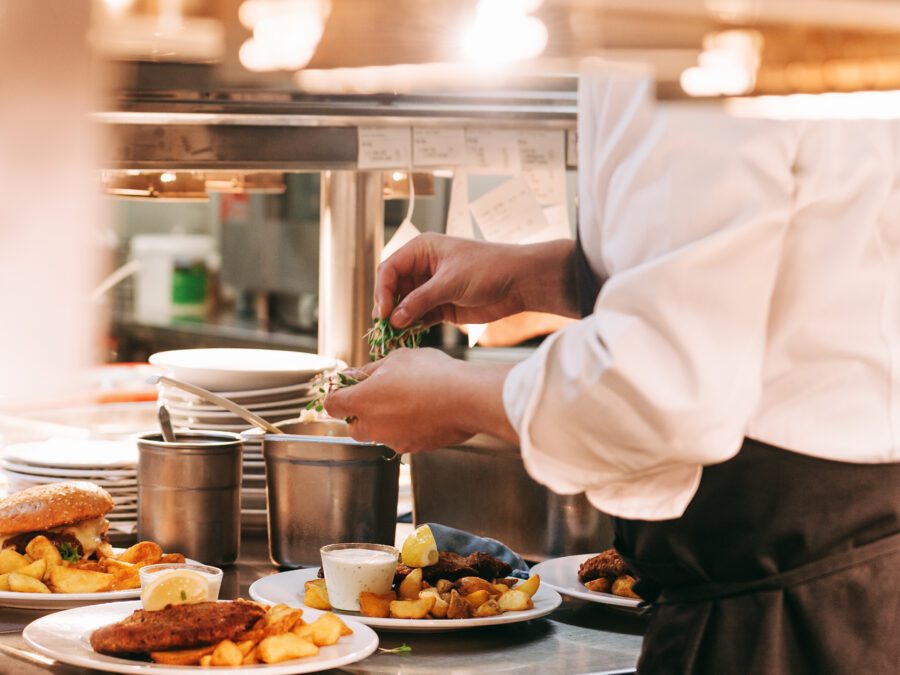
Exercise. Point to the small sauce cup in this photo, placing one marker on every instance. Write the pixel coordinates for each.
(351, 569)
(213, 575)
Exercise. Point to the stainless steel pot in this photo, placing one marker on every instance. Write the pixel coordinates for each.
(325, 488)
(482, 487)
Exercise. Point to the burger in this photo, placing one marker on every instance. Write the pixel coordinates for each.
(71, 515)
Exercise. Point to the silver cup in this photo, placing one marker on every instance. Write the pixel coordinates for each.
(323, 487)
(189, 494)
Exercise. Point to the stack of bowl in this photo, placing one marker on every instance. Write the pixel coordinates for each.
(276, 385)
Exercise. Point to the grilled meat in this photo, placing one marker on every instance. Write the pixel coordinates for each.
(452, 566)
(606, 564)
(177, 627)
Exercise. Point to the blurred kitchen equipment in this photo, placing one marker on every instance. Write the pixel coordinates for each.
(189, 494)
(324, 487)
(165, 425)
(222, 401)
(172, 275)
(459, 486)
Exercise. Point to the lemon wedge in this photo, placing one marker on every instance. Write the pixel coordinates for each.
(178, 587)
(419, 549)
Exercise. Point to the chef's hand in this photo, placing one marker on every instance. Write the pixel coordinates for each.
(440, 278)
(421, 399)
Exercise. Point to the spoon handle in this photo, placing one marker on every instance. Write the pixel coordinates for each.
(165, 423)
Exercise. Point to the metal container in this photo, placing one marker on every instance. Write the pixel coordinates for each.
(482, 487)
(325, 488)
(189, 494)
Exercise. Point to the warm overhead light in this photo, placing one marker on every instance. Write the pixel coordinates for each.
(285, 33)
(726, 67)
(258, 182)
(504, 31)
(160, 185)
(396, 184)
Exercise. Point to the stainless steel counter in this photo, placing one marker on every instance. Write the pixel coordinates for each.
(578, 638)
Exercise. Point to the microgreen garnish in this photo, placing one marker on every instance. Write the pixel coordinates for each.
(68, 552)
(402, 649)
(338, 381)
(384, 338)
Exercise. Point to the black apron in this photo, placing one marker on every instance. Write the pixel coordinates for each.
(782, 563)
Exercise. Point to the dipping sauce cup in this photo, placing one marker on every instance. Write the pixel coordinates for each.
(351, 569)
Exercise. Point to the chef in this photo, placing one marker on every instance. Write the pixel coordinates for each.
(731, 393)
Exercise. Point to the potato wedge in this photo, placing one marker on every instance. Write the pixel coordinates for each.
(599, 585)
(499, 589)
(226, 653)
(89, 565)
(68, 580)
(278, 648)
(41, 548)
(439, 611)
(409, 588)
(246, 646)
(182, 657)
(412, 609)
(515, 601)
(468, 585)
(623, 586)
(444, 586)
(21, 583)
(144, 552)
(489, 608)
(252, 657)
(372, 604)
(36, 570)
(4, 581)
(206, 661)
(529, 586)
(478, 598)
(324, 631)
(316, 595)
(170, 558)
(458, 608)
(10, 561)
(283, 622)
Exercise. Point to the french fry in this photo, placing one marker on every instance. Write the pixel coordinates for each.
(42, 548)
(515, 601)
(278, 648)
(478, 598)
(68, 580)
(409, 588)
(316, 595)
(226, 653)
(36, 570)
(144, 552)
(412, 609)
(10, 561)
(182, 657)
(372, 604)
(25, 584)
(530, 586)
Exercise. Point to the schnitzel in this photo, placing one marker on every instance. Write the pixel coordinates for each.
(177, 627)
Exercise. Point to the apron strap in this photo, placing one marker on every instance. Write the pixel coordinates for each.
(823, 567)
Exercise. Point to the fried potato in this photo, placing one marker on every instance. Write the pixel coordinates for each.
(412, 609)
(68, 580)
(444, 586)
(372, 604)
(25, 584)
(316, 595)
(409, 588)
(508, 582)
(170, 559)
(468, 585)
(252, 657)
(515, 601)
(499, 589)
(530, 586)
(226, 653)
(439, 611)
(182, 657)
(144, 552)
(458, 608)
(206, 661)
(623, 586)
(283, 622)
(36, 570)
(10, 561)
(105, 550)
(478, 598)
(489, 608)
(324, 631)
(4, 581)
(125, 575)
(246, 647)
(89, 565)
(41, 548)
(599, 585)
(278, 648)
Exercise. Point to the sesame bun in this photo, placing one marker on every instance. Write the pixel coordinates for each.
(47, 506)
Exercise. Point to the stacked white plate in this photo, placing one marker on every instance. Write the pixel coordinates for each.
(276, 385)
(111, 465)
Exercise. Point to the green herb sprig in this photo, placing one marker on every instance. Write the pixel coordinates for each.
(326, 386)
(402, 649)
(68, 552)
(383, 338)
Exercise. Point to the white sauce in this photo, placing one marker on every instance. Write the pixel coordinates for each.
(350, 571)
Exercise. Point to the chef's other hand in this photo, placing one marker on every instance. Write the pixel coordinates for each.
(421, 399)
(440, 278)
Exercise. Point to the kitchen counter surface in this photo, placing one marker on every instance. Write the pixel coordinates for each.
(579, 637)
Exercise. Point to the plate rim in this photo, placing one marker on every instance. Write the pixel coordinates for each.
(553, 599)
(132, 667)
(586, 594)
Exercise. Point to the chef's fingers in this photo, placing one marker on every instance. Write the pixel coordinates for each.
(412, 261)
(427, 297)
(369, 368)
(341, 403)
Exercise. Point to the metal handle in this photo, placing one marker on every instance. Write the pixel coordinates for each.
(228, 404)
(165, 424)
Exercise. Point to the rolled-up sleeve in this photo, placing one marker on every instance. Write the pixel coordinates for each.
(687, 214)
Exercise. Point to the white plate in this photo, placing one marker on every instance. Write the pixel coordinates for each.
(65, 453)
(265, 408)
(562, 574)
(107, 475)
(220, 369)
(287, 588)
(244, 394)
(65, 636)
(230, 418)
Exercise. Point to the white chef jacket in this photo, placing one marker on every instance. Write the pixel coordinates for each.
(752, 289)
